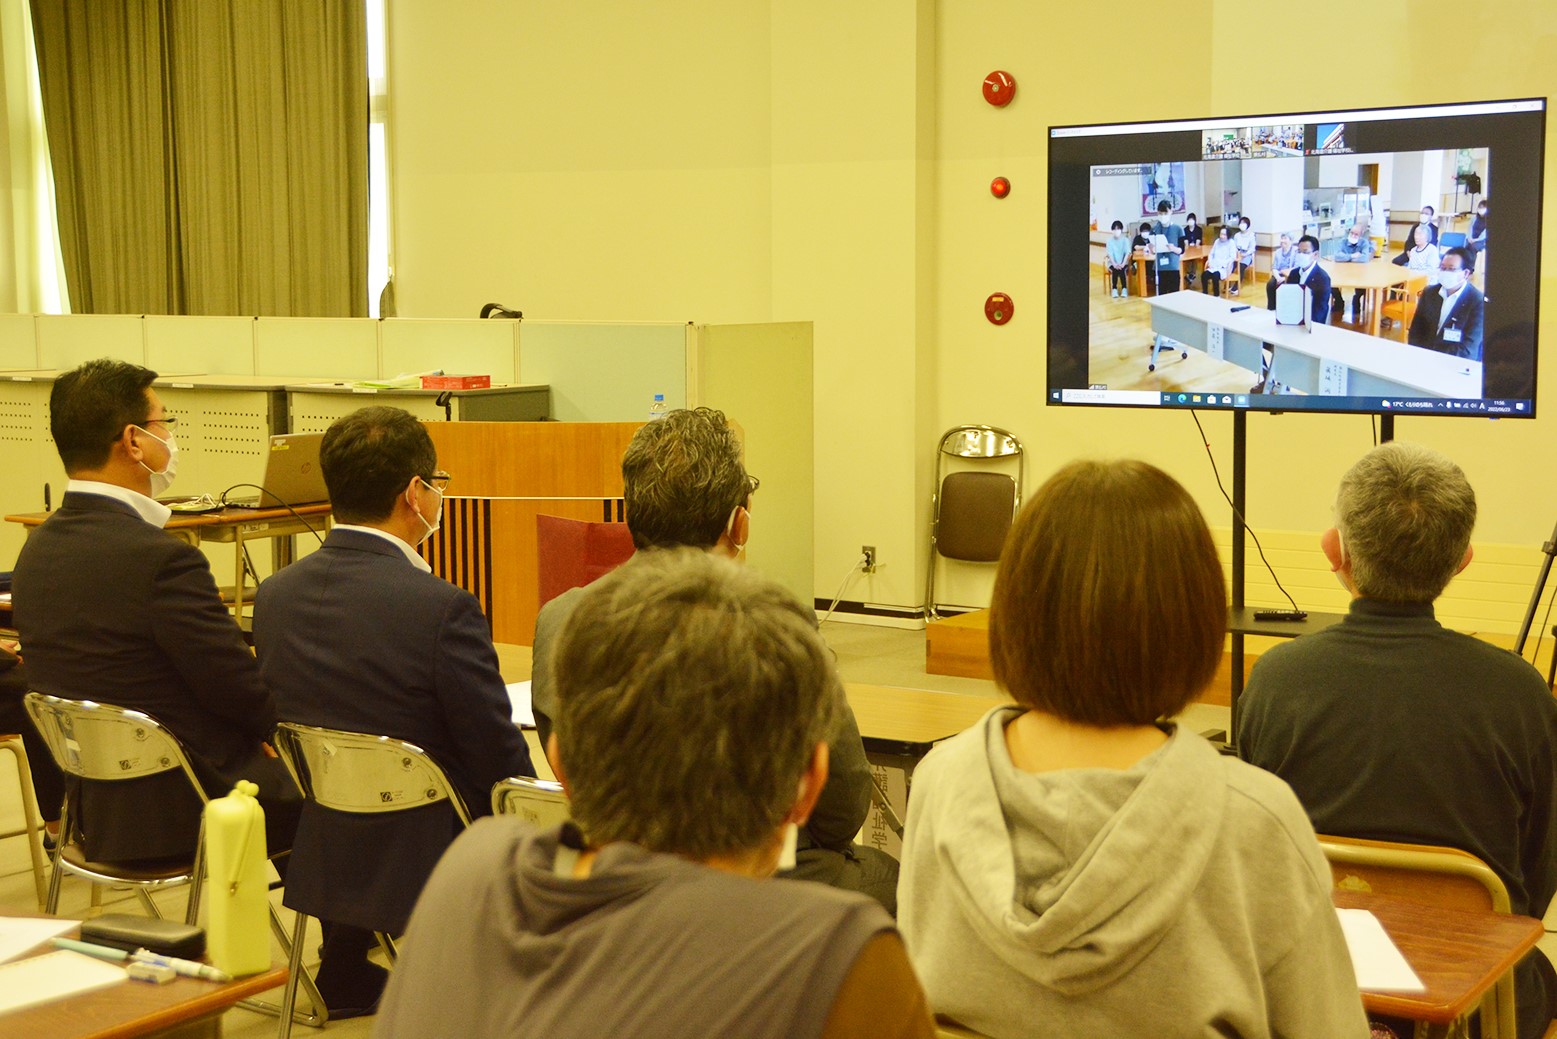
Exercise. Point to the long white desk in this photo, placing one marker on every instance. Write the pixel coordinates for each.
(1327, 360)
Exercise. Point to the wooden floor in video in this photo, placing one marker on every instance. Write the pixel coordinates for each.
(1121, 345)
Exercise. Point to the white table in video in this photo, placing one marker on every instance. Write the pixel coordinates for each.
(1329, 361)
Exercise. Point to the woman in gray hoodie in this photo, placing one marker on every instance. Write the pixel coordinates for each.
(1074, 865)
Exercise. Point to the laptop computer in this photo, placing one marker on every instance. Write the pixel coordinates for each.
(292, 474)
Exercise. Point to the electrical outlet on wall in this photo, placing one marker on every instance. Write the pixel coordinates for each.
(869, 552)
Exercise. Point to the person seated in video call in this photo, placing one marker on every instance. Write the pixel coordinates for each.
(1282, 262)
(1245, 244)
(1219, 262)
(1426, 223)
(1194, 234)
(1356, 247)
(1118, 261)
(1313, 277)
(1478, 231)
(1142, 242)
(1422, 256)
(1449, 315)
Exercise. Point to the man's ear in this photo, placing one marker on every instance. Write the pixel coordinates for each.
(554, 759)
(1330, 544)
(1466, 561)
(812, 780)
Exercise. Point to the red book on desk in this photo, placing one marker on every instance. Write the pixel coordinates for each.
(456, 382)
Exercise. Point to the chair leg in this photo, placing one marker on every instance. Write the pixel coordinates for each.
(30, 818)
(297, 974)
(387, 943)
(148, 902)
(196, 880)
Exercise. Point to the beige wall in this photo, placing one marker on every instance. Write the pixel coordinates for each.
(805, 160)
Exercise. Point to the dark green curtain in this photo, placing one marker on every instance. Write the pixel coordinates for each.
(210, 156)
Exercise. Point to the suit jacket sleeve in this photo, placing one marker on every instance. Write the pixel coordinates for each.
(475, 700)
(195, 631)
(1471, 327)
(845, 800)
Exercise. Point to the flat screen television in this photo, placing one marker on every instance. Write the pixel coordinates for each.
(1396, 334)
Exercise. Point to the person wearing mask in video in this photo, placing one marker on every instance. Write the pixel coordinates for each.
(1449, 315)
(1142, 243)
(1118, 262)
(1313, 277)
(1171, 248)
(1220, 261)
(1422, 256)
(1426, 223)
(1356, 247)
(1194, 235)
(1282, 262)
(1243, 241)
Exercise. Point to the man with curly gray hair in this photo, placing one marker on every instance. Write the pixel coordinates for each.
(686, 486)
(1389, 726)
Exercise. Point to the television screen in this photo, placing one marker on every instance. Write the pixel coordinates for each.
(1345, 261)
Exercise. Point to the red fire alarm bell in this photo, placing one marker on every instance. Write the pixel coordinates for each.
(999, 88)
(1000, 187)
(998, 308)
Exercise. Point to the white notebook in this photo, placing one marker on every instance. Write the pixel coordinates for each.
(54, 975)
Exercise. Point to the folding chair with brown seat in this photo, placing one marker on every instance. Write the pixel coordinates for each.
(971, 511)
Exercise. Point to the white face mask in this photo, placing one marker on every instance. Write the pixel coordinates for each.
(1451, 281)
(432, 528)
(1307, 259)
(1426, 217)
(1191, 223)
(161, 481)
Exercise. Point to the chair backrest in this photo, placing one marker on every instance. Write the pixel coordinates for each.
(1423, 873)
(571, 553)
(102, 742)
(540, 801)
(363, 774)
(1451, 240)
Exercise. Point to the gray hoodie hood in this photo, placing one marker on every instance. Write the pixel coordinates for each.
(1063, 894)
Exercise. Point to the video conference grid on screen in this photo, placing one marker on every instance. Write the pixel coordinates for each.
(1465, 344)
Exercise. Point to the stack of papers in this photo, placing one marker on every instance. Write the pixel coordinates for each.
(519, 696)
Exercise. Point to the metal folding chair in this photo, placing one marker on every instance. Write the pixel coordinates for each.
(365, 775)
(101, 742)
(539, 801)
(971, 511)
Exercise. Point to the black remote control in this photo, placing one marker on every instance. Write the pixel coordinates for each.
(1281, 615)
(1238, 308)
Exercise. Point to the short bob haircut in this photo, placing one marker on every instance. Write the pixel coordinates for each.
(1110, 606)
(691, 695)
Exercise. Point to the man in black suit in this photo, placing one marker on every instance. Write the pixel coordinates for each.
(361, 636)
(1313, 277)
(1449, 316)
(111, 608)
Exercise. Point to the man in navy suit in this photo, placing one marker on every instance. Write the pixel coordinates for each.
(110, 608)
(361, 636)
(1449, 315)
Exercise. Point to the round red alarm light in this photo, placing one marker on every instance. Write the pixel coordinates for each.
(1000, 187)
(998, 308)
(999, 88)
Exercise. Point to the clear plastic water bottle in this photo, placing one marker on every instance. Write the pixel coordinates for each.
(657, 407)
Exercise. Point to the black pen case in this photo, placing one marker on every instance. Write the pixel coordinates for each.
(123, 931)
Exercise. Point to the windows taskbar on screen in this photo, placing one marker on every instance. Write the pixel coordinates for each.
(1495, 407)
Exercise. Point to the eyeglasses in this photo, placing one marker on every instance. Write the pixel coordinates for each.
(752, 483)
(438, 481)
(171, 421)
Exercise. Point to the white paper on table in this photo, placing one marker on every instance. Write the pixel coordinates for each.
(54, 975)
(519, 696)
(1375, 958)
(19, 934)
